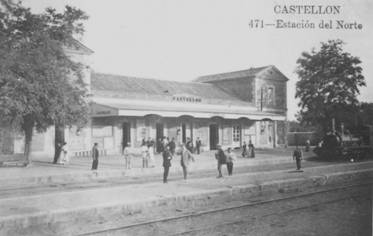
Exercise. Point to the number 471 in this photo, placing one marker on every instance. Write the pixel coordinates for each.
(256, 23)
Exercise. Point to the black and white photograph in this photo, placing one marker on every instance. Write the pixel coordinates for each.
(186, 117)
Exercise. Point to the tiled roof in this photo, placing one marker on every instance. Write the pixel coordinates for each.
(252, 72)
(141, 88)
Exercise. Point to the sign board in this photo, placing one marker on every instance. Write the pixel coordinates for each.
(186, 98)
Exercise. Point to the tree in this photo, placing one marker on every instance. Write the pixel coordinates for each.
(329, 84)
(40, 85)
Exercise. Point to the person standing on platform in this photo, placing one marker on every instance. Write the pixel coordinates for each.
(198, 145)
(95, 154)
(221, 159)
(231, 157)
(144, 154)
(151, 144)
(64, 155)
(167, 157)
(244, 149)
(186, 158)
(251, 149)
(297, 156)
(164, 142)
(189, 145)
(127, 156)
(172, 146)
(308, 145)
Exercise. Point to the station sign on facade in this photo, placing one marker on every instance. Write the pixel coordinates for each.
(186, 98)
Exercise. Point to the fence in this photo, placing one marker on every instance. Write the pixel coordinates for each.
(88, 153)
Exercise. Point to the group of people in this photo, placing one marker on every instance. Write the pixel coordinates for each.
(194, 149)
(167, 148)
(147, 153)
(163, 142)
(186, 158)
(225, 158)
(248, 150)
(169, 151)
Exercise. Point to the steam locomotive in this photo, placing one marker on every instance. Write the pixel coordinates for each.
(349, 147)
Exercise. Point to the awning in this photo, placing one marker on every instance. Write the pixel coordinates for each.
(119, 107)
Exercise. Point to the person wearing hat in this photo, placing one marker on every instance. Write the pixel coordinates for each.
(167, 157)
(297, 156)
(186, 158)
(127, 155)
(221, 159)
(231, 157)
(95, 154)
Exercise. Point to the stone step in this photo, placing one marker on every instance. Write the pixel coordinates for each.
(80, 211)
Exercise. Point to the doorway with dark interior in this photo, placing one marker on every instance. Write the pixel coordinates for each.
(126, 138)
(214, 136)
(159, 136)
(183, 132)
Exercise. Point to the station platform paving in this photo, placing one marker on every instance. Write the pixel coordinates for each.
(43, 171)
(83, 211)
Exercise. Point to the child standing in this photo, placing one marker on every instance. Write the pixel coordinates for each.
(127, 156)
(231, 157)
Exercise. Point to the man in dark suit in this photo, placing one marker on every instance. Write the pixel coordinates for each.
(172, 146)
(297, 156)
(221, 158)
(95, 156)
(198, 145)
(167, 157)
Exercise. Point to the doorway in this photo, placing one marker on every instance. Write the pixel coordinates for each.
(214, 136)
(126, 138)
(159, 131)
(159, 136)
(183, 132)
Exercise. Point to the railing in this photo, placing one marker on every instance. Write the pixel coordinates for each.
(88, 153)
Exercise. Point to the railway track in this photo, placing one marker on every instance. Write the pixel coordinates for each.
(191, 222)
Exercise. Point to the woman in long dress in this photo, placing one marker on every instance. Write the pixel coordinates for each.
(151, 153)
(64, 155)
(144, 154)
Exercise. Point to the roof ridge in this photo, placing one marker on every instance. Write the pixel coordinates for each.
(143, 78)
(236, 71)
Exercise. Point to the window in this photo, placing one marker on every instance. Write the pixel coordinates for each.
(236, 133)
(262, 126)
(271, 96)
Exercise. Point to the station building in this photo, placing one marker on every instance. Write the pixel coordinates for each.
(227, 109)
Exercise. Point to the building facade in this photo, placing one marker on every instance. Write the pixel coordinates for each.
(227, 109)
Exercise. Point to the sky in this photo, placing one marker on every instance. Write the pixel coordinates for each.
(183, 39)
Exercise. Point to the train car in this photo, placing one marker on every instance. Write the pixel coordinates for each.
(347, 147)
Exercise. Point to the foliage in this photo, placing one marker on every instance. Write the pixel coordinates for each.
(39, 84)
(329, 84)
